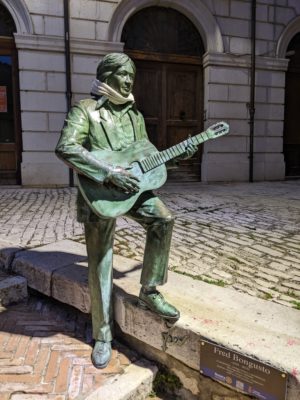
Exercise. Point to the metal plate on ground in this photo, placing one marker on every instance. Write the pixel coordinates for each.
(242, 373)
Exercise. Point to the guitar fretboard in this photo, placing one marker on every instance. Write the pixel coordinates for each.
(161, 157)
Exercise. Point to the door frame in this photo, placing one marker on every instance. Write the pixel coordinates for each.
(8, 47)
(164, 57)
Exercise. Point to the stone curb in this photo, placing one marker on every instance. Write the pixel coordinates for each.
(135, 384)
(7, 253)
(12, 289)
(253, 327)
(38, 265)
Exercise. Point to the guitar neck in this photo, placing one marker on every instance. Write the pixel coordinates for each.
(161, 157)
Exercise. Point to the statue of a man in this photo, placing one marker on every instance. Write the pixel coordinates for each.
(110, 121)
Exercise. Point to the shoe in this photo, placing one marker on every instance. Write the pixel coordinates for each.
(155, 302)
(101, 354)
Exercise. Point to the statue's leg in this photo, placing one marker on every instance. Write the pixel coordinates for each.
(99, 242)
(158, 221)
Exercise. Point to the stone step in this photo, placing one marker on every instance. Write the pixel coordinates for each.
(12, 288)
(135, 384)
(7, 253)
(266, 331)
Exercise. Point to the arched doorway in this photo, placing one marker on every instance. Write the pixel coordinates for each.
(10, 145)
(291, 142)
(167, 50)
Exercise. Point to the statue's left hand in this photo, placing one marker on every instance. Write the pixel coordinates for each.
(189, 152)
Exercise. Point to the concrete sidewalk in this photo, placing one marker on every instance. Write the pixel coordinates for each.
(244, 236)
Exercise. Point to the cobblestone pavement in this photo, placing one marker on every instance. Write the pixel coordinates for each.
(45, 353)
(243, 236)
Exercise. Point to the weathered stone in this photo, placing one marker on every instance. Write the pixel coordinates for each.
(38, 264)
(70, 286)
(134, 384)
(194, 385)
(12, 289)
(212, 312)
(7, 253)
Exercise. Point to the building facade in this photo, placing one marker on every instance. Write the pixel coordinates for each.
(194, 67)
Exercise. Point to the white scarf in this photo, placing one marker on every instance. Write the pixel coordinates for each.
(102, 89)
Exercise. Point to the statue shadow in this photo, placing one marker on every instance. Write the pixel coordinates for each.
(45, 317)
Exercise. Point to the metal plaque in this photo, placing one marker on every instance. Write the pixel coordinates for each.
(242, 373)
(3, 99)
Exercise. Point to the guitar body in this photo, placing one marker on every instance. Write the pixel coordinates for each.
(111, 202)
(146, 163)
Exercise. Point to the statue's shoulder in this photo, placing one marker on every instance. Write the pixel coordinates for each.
(87, 104)
(137, 113)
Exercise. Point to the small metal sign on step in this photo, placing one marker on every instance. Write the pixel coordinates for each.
(242, 373)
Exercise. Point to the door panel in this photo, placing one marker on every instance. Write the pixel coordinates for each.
(7, 133)
(149, 83)
(169, 95)
(292, 131)
(181, 93)
(9, 114)
(291, 147)
(147, 92)
(7, 158)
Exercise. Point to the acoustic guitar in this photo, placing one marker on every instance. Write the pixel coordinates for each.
(146, 163)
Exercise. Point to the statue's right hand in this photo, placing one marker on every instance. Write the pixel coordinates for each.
(123, 179)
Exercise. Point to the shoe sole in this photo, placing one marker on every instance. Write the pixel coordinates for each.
(141, 304)
(101, 366)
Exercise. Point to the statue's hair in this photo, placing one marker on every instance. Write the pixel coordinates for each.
(110, 63)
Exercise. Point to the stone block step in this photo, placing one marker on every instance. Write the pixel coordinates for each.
(12, 288)
(135, 384)
(257, 328)
(7, 253)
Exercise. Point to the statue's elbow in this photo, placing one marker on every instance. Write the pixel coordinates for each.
(59, 152)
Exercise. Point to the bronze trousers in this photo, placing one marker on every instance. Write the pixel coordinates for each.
(158, 222)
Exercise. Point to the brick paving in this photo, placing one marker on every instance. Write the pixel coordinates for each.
(243, 236)
(45, 352)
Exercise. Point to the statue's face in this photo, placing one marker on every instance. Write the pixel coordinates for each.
(122, 80)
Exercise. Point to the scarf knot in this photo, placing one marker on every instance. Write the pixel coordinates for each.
(102, 89)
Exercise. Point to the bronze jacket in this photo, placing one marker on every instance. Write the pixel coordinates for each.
(86, 129)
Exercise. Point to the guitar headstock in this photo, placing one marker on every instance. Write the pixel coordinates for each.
(218, 129)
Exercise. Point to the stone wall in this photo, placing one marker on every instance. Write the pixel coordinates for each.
(226, 79)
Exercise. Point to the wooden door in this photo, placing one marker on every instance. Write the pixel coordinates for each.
(169, 96)
(291, 146)
(9, 113)
(167, 50)
(10, 145)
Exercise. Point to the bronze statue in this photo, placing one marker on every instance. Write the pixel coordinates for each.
(104, 139)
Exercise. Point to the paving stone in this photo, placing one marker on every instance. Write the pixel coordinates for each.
(223, 216)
